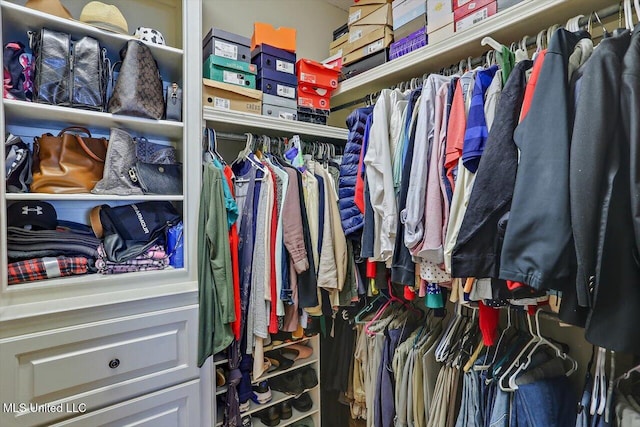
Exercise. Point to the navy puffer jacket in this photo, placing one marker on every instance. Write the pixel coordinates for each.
(352, 219)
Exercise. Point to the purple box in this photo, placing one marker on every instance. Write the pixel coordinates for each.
(408, 44)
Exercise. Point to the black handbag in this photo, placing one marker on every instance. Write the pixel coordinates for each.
(130, 230)
(154, 178)
(57, 82)
(18, 162)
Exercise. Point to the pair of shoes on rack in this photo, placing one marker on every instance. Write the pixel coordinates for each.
(295, 382)
(303, 403)
(297, 351)
(276, 357)
(272, 415)
(261, 393)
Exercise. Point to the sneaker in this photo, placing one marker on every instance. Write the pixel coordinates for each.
(261, 393)
(270, 416)
(246, 421)
(309, 378)
(245, 406)
(289, 383)
(303, 403)
(286, 411)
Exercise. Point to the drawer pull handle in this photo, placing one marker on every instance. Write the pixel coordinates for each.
(113, 364)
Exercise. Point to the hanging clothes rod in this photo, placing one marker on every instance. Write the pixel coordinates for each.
(530, 41)
(240, 137)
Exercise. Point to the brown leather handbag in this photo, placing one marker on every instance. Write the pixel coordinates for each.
(67, 163)
(138, 89)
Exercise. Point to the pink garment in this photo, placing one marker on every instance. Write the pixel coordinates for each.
(436, 203)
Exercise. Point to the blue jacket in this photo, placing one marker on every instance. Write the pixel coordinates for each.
(352, 219)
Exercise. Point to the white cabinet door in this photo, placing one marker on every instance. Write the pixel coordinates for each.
(95, 364)
(173, 407)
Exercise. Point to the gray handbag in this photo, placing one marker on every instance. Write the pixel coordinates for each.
(121, 156)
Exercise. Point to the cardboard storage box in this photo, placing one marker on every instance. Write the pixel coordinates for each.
(441, 34)
(315, 74)
(229, 71)
(365, 64)
(410, 27)
(439, 14)
(280, 112)
(338, 44)
(310, 97)
(367, 50)
(281, 38)
(357, 32)
(371, 15)
(473, 18)
(276, 88)
(469, 7)
(231, 97)
(383, 32)
(226, 45)
(407, 11)
(271, 58)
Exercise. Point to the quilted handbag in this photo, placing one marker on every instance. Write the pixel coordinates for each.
(138, 89)
(56, 81)
(67, 163)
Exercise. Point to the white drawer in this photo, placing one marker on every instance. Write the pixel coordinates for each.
(177, 406)
(95, 364)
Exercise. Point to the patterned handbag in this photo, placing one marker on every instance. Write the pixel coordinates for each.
(138, 89)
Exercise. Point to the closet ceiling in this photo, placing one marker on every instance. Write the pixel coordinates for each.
(342, 4)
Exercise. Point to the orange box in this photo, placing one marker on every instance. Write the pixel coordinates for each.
(311, 97)
(316, 74)
(281, 38)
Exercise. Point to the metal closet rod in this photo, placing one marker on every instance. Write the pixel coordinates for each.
(531, 41)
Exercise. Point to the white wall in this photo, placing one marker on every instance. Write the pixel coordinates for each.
(314, 20)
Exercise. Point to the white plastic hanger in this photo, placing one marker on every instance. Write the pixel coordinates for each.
(599, 390)
(490, 363)
(505, 378)
(489, 41)
(540, 341)
(628, 15)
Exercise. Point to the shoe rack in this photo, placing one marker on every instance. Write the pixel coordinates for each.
(278, 397)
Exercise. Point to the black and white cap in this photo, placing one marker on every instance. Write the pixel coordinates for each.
(33, 215)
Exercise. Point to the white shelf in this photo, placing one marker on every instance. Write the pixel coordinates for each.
(91, 197)
(237, 122)
(221, 390)
(528, 17)
(18, 19)
(28, 114)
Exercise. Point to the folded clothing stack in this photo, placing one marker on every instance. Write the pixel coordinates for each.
(154, 258)
(41, 247)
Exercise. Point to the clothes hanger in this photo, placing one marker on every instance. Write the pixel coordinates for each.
(489, 41)
(515, 363)
(541, 341)
(445, 342)
(598, 390)
(492, 358)
(369, 307)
